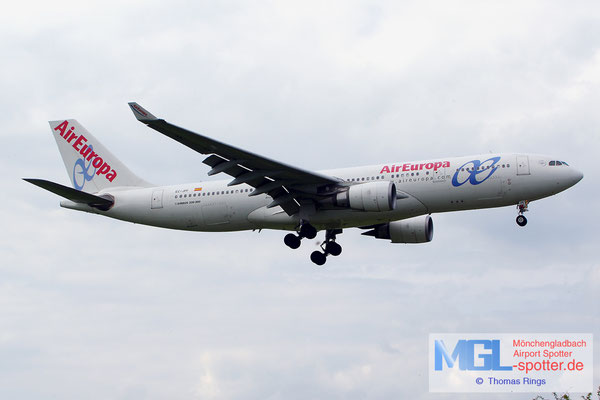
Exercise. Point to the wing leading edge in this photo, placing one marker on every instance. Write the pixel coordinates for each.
(290, 187)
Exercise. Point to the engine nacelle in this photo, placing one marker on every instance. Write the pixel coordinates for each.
(371, 196)
(412, 230)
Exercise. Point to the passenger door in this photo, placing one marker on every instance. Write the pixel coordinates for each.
(523, 165)
(157, 199)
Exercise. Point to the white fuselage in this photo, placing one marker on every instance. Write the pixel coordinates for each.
(424, 187)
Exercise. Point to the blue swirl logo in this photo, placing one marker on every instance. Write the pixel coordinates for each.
(477, 171)
(82, 169)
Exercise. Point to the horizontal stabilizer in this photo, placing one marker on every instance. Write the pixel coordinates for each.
(74, 195)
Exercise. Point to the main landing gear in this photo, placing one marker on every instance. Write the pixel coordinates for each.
(522, 207)
(305, 230)
(328, 247)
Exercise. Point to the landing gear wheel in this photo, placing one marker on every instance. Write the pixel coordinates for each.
(318, 258)
(333, 248)
(292, 241)
(521, 220)
(308, 231)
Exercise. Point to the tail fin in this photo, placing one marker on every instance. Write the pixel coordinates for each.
(89, 164)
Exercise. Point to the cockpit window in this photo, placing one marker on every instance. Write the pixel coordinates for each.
(556, 162)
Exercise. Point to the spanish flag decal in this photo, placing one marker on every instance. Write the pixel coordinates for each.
(197, 189)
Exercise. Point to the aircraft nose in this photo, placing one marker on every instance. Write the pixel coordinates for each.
(576, 176)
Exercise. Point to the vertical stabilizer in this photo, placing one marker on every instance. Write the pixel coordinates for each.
(91, 167)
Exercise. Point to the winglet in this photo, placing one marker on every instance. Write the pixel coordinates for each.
(140, 113)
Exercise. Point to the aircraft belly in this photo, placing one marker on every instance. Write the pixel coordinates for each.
(276, 218)
(330, 219)
(272, 218)
(227, 216)
(215, 213)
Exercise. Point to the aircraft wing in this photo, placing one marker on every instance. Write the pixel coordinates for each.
(288, 186)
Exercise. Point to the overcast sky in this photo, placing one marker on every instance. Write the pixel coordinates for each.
(102, 309)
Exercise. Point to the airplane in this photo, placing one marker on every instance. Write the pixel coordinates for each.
(392, 201)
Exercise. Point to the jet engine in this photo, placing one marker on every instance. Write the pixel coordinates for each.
(412, 230)
(371, 196)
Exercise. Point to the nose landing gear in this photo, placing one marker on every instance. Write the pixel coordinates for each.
(329, 246)
(522, 207)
